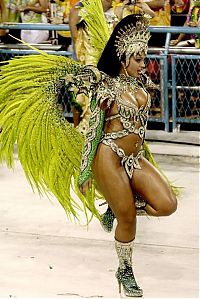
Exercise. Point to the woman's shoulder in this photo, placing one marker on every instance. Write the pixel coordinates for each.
(106, 90)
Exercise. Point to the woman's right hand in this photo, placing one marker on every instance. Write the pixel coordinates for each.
(86, 186)
(174, 42)
(145, 8)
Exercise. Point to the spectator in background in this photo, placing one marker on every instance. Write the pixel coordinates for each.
(79, 33)
(193, 19)
(161, 9)
(2, 16)
(127, 7)
(11, 14)
(34, 11)
(162, 12)
(59, 14)
(179, 11)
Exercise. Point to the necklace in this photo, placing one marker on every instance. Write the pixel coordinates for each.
(125, 83)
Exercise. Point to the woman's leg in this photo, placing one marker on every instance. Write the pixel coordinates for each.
(115, 186)
(154, 188)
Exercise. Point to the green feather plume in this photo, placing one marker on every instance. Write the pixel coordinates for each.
(97, 27)
(49, 148)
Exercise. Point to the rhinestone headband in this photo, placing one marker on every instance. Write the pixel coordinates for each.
(132, 39)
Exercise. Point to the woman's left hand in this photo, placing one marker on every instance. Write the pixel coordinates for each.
(86, 186)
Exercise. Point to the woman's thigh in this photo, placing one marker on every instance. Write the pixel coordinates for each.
(113, 182)
(154, 188)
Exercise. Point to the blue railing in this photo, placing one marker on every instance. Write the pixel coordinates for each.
(64, 27)
(185, 89)
(165, 109)
(183, 82)
(159, 111)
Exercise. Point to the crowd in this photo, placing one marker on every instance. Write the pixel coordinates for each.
(160, 12)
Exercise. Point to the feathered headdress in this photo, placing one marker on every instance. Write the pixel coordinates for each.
(132, 39)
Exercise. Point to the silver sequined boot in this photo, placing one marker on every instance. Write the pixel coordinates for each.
(124, 274)
(140, 205)
(107, 220)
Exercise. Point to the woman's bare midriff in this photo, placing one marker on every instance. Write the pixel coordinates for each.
(131, 143)
(106, 158)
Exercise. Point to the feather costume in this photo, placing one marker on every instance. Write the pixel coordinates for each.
(49, 148)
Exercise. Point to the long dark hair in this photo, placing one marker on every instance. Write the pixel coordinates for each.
(109, 62)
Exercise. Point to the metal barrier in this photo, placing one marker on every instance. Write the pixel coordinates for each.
(185, 89)
(157, 68)
(181, 80)
(166, 72)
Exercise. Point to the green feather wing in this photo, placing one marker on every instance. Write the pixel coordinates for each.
(49, 148)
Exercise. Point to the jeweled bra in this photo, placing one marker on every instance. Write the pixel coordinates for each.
(128, 113)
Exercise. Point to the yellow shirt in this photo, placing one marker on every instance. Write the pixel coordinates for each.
(65, 7)
(162, 17)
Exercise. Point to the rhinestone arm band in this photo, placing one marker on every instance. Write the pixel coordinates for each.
(92, 140)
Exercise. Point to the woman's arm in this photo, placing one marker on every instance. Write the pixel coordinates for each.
(76, 117)
(181, 36)
(3, 11)
(145, 8)
(92, 140)
(74, 19)
(155, 4)
(43, 6)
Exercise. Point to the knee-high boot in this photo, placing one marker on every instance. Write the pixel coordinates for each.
(124, 272)
(108, 217)
(107, 220)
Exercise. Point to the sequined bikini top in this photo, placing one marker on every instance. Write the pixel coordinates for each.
(130, 115)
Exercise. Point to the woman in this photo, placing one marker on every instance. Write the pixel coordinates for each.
(10, 14)
(34, 11)
(84, 54)
(79, 34)
(193, 20)
(127, 7)
(113, 144)
(49, 148)
(2, 16)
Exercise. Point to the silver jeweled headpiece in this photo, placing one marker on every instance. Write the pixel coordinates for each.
(132, 39)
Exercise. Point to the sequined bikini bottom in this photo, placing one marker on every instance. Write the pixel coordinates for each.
(128, 162)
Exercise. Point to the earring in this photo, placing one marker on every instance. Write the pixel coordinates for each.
(126, 73)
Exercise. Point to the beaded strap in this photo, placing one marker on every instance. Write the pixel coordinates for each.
(92, 140)
(130, 162)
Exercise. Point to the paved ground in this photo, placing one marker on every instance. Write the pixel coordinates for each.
(43, 255)
(187, 137)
